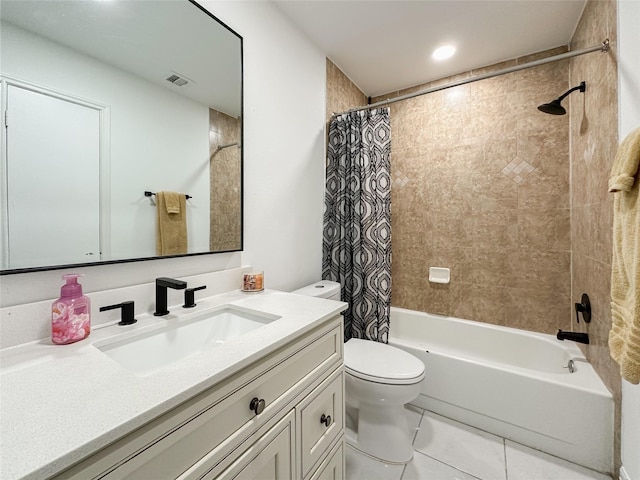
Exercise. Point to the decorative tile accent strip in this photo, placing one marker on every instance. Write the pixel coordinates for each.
(518, 171)
(400, 180)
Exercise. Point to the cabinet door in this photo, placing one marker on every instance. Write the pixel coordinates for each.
(321, 420)
(269, 458)
(333, 467)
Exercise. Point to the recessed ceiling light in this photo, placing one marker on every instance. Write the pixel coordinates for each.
(444, 52)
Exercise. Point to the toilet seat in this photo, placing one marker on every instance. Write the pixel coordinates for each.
(381, 363)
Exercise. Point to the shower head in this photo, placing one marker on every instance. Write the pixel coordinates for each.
(555, 107)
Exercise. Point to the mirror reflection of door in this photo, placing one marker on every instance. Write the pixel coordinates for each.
(51, 143)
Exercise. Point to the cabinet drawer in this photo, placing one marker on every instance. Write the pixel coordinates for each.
(270, 458)
(321, 420)
(333, 467)
(215, 422)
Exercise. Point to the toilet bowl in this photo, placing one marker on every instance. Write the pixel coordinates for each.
(379, 380)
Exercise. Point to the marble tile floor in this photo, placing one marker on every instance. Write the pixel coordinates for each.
(448, 450)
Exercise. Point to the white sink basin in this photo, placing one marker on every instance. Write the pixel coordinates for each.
(149, 352)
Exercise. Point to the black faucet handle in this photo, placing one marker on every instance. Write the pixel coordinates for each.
(127, 316)
(189, 296)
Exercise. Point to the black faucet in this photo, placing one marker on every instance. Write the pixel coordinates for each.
(573, 336)
(162, 284)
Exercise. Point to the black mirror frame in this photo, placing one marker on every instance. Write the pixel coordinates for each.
(140, 259)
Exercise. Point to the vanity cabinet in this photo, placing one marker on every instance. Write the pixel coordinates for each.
(281, 417)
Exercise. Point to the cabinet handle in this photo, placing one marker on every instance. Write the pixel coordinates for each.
(326, 419)
(257, 405)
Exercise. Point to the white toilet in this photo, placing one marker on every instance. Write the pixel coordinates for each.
(380, 380)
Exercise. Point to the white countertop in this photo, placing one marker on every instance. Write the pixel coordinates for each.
(61, 403)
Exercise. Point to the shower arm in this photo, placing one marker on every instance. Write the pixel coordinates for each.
(222, 147)
(582, 87)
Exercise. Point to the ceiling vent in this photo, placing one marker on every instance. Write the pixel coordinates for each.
(177, 80)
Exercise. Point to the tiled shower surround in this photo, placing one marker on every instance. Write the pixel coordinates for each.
(342, 94)
(225, 177)
(513, 200)
(594, 141)
(481, 186)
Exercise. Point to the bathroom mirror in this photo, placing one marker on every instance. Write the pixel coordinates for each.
(107, 103)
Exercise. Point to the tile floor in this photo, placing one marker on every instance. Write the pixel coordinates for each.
(448, 450)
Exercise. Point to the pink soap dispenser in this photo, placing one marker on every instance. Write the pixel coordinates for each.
(71, 313)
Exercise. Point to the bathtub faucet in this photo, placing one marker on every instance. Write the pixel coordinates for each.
(573, 336)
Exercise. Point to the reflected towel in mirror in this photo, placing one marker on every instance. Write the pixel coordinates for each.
(171, 230)
(172, 201)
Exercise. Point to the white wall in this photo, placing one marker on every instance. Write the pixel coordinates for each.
(284, 98)
(150, 127)
(284, 151)
(629, 118)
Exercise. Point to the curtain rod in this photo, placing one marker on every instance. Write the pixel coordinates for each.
(603, 47)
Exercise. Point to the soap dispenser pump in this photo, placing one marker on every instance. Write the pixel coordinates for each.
(71, 313)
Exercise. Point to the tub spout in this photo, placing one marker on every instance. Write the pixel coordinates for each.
(573, 336)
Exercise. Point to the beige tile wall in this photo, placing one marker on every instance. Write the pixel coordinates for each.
(457, 201)
(225, 180)
(594, 134)
(342, 94)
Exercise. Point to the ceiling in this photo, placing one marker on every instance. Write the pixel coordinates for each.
(386, 45)
(149, 39)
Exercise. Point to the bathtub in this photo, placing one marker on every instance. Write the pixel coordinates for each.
(512, 383)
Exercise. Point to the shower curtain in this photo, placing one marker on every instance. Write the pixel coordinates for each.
(357, 220)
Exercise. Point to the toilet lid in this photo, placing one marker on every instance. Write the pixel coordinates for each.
(382, 363)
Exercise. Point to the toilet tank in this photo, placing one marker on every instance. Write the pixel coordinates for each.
(321, 289)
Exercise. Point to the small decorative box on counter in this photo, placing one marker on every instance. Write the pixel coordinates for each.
(253, 282)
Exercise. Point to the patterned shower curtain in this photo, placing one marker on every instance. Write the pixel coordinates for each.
(357, 220)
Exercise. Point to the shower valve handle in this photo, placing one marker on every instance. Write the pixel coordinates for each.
(584, 308)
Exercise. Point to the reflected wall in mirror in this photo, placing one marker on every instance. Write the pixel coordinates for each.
(106, 100)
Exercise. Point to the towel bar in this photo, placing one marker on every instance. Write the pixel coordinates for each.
(149, 194)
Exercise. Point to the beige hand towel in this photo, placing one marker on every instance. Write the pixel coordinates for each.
(624, 337)
(172, 201)
(171, 231)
